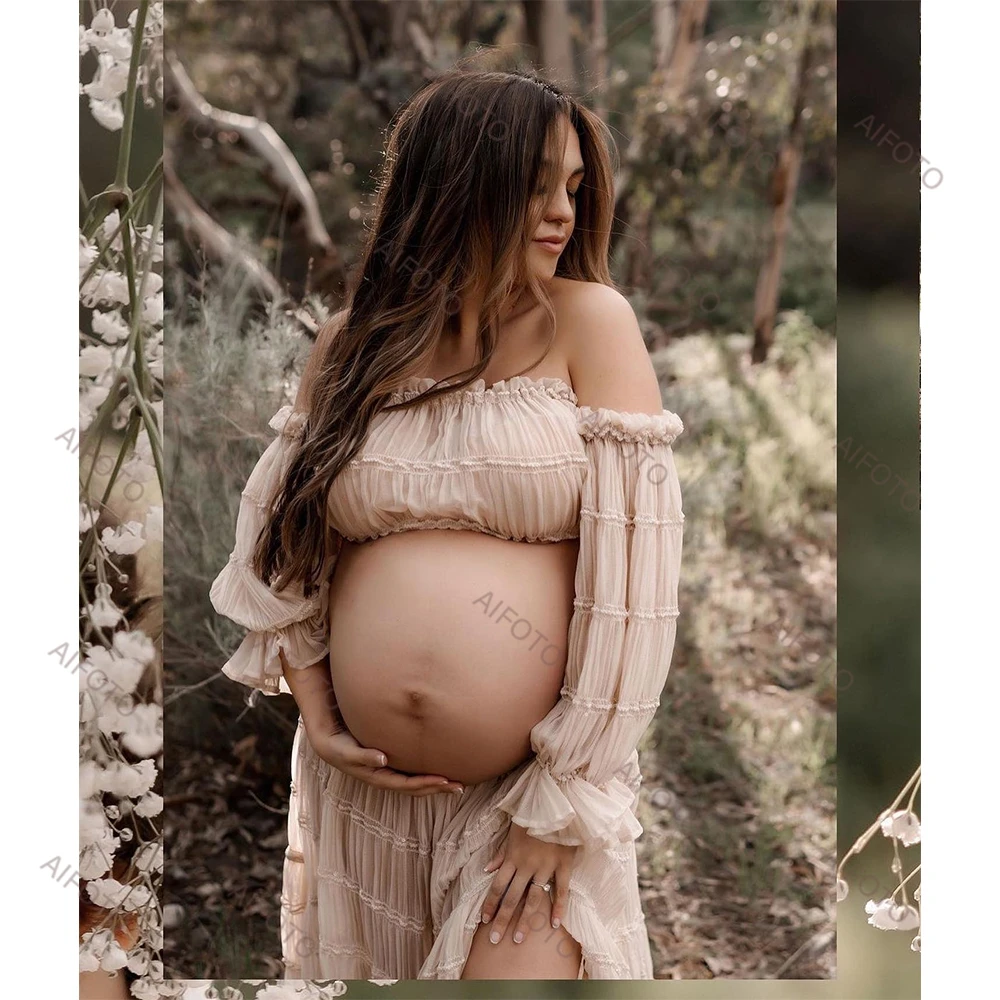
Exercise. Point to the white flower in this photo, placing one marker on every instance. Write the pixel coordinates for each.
(149, 858)
(903, 825)
(109, 82)
(97, 858)
(110, 114)
(888, 915)
(99, 949)
(106, 892)
(144, 735)
(90, 775)
(148, 988)
(93, 822)
(128, 780)
(104, 613)
(149, 805)
(91, 398)
(88, 254)
(88, 517)
(138, 961)
(109, 225)
(104, 286)
(95, 360)
(126, 539)
(108, 671)
(152, 283)
(154, 523)
(152, 308)
(135, 645)
(110, 326)
(102, 23)
(103, 36)
(116, 714)
(111, 894)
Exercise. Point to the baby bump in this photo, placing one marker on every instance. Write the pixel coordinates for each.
(446, 647)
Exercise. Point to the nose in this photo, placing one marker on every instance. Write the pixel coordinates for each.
(560, 209)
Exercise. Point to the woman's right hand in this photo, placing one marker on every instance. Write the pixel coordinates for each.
(342, 751)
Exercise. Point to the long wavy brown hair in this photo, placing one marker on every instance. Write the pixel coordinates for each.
(455, 212)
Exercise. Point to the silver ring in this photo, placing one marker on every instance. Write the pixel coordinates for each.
(542, 885)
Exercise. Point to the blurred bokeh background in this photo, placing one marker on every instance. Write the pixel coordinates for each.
(725, 116)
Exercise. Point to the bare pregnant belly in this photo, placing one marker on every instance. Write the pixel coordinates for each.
(447, 646)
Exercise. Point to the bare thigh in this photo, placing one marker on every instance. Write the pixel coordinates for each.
(544, 953)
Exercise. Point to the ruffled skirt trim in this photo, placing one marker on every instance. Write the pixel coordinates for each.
(382, 885)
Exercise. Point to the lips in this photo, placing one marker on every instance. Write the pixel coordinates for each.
(552, 243)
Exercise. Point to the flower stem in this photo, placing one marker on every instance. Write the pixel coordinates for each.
(125, 147)
(862, 842)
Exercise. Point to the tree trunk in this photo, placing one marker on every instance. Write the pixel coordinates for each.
(784, 184)
(678, 26)
(686, 44)
(664, 33)
(599, 58)
(547, 26)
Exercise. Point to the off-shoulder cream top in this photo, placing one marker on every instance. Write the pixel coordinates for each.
(505, 459)
(521, 460)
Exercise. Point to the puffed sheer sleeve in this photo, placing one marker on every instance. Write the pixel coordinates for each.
(621, 635)
(277, 620)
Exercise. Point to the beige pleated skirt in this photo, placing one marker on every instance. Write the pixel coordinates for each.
(383, 885)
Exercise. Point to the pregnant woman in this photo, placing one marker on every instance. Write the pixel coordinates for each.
(472, 571)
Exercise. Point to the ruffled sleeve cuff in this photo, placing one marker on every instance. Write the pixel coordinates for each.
(257, 663)
(572, 811)
(284, 620)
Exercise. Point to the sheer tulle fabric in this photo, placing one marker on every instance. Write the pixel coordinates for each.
(379, 884)
(276, 620)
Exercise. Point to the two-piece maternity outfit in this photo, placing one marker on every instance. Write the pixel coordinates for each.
(378, 883)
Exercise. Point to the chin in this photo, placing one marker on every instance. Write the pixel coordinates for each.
(544, 270)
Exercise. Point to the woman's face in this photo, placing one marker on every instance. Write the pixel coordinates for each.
(559, 215)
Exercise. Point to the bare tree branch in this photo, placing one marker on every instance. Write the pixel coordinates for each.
(217, 241)
(264, 140)
(359, 48)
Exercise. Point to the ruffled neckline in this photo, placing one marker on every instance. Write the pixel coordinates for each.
(594, 422)
(547, 385)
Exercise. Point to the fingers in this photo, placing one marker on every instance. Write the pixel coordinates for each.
(533, 914)
(359, 756)
(367, 764)
(511, 899)
(411, 784)
(497, 889)
(561, 894)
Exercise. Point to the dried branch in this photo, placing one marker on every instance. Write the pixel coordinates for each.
(262, 138)
(217, 241)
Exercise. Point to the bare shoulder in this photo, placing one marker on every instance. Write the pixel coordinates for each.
(607, 356)
(325, 336)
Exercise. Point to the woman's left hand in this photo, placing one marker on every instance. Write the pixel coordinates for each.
(520, 860)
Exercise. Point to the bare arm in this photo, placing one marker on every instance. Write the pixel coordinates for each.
(312, 689)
